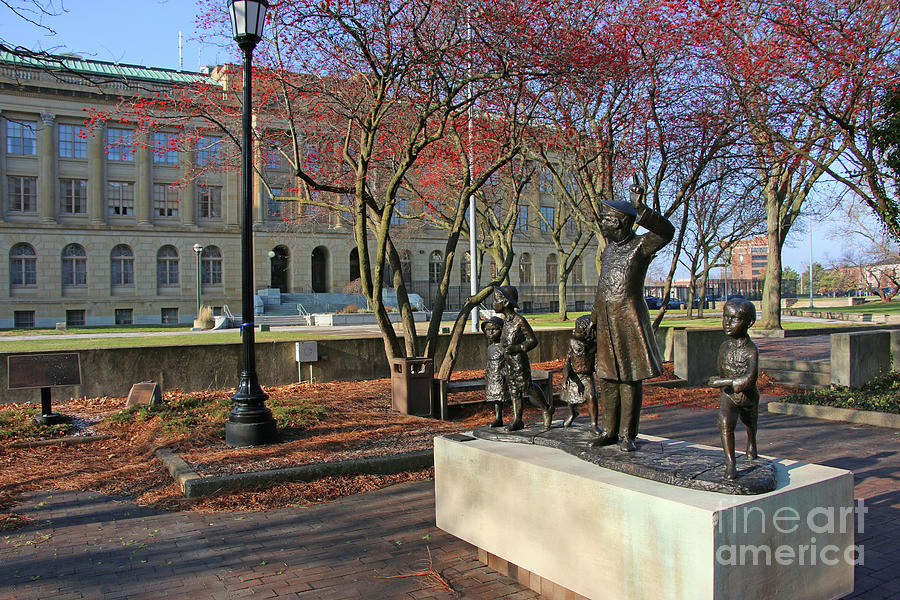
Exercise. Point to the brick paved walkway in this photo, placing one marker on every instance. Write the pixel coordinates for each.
(85, 545)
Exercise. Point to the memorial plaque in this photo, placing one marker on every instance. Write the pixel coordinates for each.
(146, 393)
(43, 370)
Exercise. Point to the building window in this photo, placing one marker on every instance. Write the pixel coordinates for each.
(72, 141)
(211, 266)
(75, 318)
(22, 266)
(546, 181)
(167, 267)
(273, 206)
(165, 200)
(120, 144)
(168, 316)
(435, 267)
(23, 319)
(73, 196)
(121, 265)
(119, 198)
(22, 194)
(208, 147)
(273, 157)
(578, 272)
(124, 316)
(20, 138)
(522, 220)
(572, 226)
(165, 150)
(547, 217)
(406, 266)
(74, 266)
(401, 210)
(551, 269)
(210, 202)
(525, 269)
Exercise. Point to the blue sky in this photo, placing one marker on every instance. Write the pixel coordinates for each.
(145, 32)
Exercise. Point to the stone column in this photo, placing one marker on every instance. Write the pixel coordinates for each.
(96, 182)
(188, 195)
(231, 198)
(47, 168)
(4, 202)
(143, 181)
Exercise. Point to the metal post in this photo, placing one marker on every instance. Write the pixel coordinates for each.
(473, 271)
(250, 422)
(810, 268)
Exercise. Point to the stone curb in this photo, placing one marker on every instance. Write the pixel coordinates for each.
(848, 415)
(72, 439)
(195, 486)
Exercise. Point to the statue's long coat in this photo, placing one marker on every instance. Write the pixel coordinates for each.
(626, 345)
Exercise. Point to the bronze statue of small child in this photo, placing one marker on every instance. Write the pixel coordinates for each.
(495, 387)
(738, 370)
(578, 372)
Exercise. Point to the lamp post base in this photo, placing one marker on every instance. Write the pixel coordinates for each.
(238, 434)
(50, 418)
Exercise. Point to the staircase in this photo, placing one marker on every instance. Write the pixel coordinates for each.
(800, 373)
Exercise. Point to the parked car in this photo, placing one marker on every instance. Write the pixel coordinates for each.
(675, 304)
(730, 296)
(653, 302)
(706, 301)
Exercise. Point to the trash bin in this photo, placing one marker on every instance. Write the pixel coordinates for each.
(411, 385)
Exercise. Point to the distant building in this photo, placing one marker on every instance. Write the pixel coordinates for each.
(749, 258)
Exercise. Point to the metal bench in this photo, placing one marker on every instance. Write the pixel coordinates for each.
(443, 388)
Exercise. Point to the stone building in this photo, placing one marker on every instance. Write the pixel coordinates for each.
(97, 233)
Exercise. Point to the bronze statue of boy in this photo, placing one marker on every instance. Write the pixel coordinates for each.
(517, 338)
(626, 344)
(738, 370)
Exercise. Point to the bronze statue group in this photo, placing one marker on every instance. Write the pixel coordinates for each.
(617, 346)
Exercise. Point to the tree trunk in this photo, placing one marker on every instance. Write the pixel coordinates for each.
(771, 301)
(561, 297)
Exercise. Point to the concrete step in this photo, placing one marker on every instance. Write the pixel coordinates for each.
(280, 320)
(800, 378)
(783, 364)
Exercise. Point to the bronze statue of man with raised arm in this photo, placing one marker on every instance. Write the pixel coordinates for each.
(626, 344)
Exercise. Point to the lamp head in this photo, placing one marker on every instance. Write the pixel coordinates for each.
(248, 19)
(198, 248)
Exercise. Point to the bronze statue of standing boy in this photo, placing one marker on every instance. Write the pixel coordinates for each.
(738, 371)
(626, 345)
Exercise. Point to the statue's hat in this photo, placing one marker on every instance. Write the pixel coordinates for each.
(620, 206)
(510, 293)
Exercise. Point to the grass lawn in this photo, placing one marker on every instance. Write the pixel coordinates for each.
(90, 342)
(879, 307)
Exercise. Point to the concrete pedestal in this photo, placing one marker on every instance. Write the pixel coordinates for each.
(592, 532)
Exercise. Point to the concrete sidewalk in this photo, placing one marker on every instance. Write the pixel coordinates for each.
(85, 545)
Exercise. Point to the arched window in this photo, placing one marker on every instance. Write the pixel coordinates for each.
(552, 270)
(74, 266)
(406, 266)
(211, 266)
(167, 267)
(525, 269)
(22, 266)
(578, 273)
(465, 271)
(435, 267)
(121, 265)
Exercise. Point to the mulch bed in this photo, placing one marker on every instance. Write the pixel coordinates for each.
(360, 423)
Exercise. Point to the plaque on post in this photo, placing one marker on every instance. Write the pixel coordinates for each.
(44, 371)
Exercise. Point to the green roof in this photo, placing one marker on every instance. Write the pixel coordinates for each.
(62, 64)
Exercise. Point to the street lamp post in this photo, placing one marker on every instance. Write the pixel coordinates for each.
(250, 422)
(198, 248)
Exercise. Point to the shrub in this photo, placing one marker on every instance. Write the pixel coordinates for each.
(350, 309)
(205, 317)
